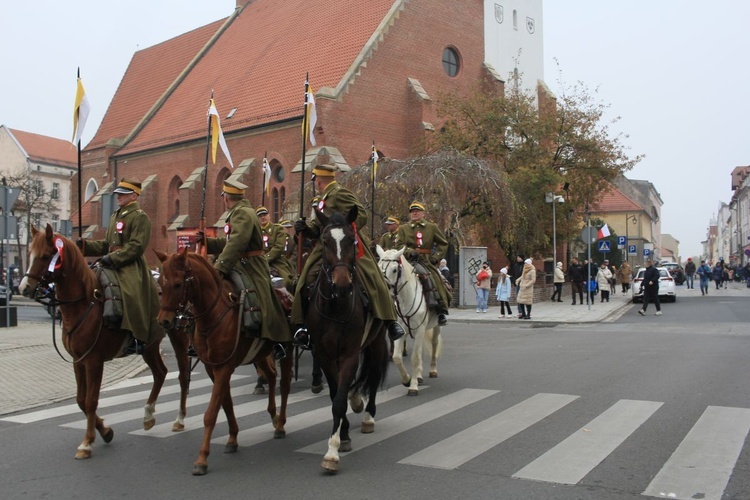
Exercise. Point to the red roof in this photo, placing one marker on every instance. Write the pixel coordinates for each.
(257, 66)
(44, 149)
(149, 75)
(615, 201)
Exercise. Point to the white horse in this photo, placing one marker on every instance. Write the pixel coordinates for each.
(419, 321)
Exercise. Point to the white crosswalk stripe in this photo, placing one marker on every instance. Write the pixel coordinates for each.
(700, 467)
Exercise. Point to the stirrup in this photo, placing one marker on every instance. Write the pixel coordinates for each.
(191, 352)
(279, 352)
(135, 347)
(395, 331)
(442, 320)
(301, 338)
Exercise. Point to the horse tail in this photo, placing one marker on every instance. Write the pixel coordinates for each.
(373, 367)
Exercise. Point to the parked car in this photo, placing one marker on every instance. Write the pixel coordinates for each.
(677, 272)
(667, 290)
(4, 295)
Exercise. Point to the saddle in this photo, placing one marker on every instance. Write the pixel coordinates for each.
(250, 306)
(112, 295)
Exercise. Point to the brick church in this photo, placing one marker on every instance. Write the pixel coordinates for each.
(376, 68)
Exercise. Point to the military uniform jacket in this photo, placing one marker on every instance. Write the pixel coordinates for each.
(388, 241)
(274, 245)
(336, 198)
(126, 240)
(424, 237)
(243, 234)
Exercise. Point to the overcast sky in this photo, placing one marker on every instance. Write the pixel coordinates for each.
(675, 71)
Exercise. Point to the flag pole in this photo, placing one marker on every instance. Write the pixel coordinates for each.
(305, 118)
(80, 216)
(263, 196)
(200, 246)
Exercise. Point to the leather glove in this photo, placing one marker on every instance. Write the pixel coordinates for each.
(79, 243)
(300, 226)
(107, 261)
(200, 236)
(433, 261)
(414, 255)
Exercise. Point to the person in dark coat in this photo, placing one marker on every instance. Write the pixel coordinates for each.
(274, 245)
(650, 286)
(516, 271)
(690, 272)
(575, 272)
(127, 238)
(242, 249)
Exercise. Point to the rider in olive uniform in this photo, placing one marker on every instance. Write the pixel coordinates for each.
(388, 239)
(336, 198)
(274, 244)
(427, 245)
(242, 249)
(127, 238)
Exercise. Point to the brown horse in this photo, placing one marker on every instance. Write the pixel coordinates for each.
(86, 337)
(350, 345)
(193, 289)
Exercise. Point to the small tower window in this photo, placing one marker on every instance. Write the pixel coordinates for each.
(451, 61)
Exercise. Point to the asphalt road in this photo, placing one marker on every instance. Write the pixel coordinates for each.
(598, 411)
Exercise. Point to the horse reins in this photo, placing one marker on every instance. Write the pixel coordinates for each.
(396, 290)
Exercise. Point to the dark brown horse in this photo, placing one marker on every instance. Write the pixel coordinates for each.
(192, 288)
(86, 337)
(350, 345)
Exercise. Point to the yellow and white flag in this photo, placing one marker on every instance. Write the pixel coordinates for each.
(217, 136)
(374, 162)
(80, 112)
(311, 116)
(266, 176)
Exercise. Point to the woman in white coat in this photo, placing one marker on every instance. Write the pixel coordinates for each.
(603, 278)
(526, 291)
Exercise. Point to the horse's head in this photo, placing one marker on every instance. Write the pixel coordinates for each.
(45, 247)
(340, 246)
(174, 280)
(392, 265)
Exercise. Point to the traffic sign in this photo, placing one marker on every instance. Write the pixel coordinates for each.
(604, 246)
(646, 252)
(632, 250)
(589, 235)
(621, 241)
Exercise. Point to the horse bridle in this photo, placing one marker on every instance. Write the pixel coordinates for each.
(184, 317)
(396, 289)
(326, 269)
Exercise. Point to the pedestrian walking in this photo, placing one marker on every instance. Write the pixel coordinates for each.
(604, 280)
(626, 274)
(690, 273)
(558, 280)
(717, 274)
(575, 273)
(704, 272)
(526, 289)
(502, 291)
(650, 285)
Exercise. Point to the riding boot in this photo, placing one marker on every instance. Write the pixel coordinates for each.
(279, 352)
(191, 352)
(395, 331)
(301, 338)
(135, 347)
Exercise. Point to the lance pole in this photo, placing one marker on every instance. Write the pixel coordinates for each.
(200, 246)
(263, 195)
(374, 171)
(305, 120)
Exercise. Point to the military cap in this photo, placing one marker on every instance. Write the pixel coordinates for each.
(324, 170)
(261, 211)
(315, 201)
(392, 220)
(233, 187)
(415, 205)
(286, 223)
(128, 187)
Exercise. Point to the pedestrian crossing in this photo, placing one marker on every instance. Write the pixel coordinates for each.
(701, 466)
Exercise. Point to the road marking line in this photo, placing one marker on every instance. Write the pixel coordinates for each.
(477, 439)
(406, 420)
(702, 464)
(576, 456)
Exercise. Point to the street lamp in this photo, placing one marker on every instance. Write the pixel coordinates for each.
(554, 199)
(628, 218)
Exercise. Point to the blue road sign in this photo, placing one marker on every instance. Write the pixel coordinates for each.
(646, 252)
(621, 241)
(632, 250)
(604, 246)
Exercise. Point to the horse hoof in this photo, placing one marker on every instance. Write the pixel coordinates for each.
(316, 388)
(258, 391)
(412, 392)
(231, 448)
(406, 384)
(345, 446)
(330, 465)
(420, 380)
(200, 470)
(83, 454)
(433, 374)
(279, 434)
(108, 435)
(149, 424)
(178, 427)
(368, 427)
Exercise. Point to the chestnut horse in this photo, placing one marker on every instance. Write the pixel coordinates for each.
(350, 345)
(193, 289)
(86, 337)
(417, 319)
